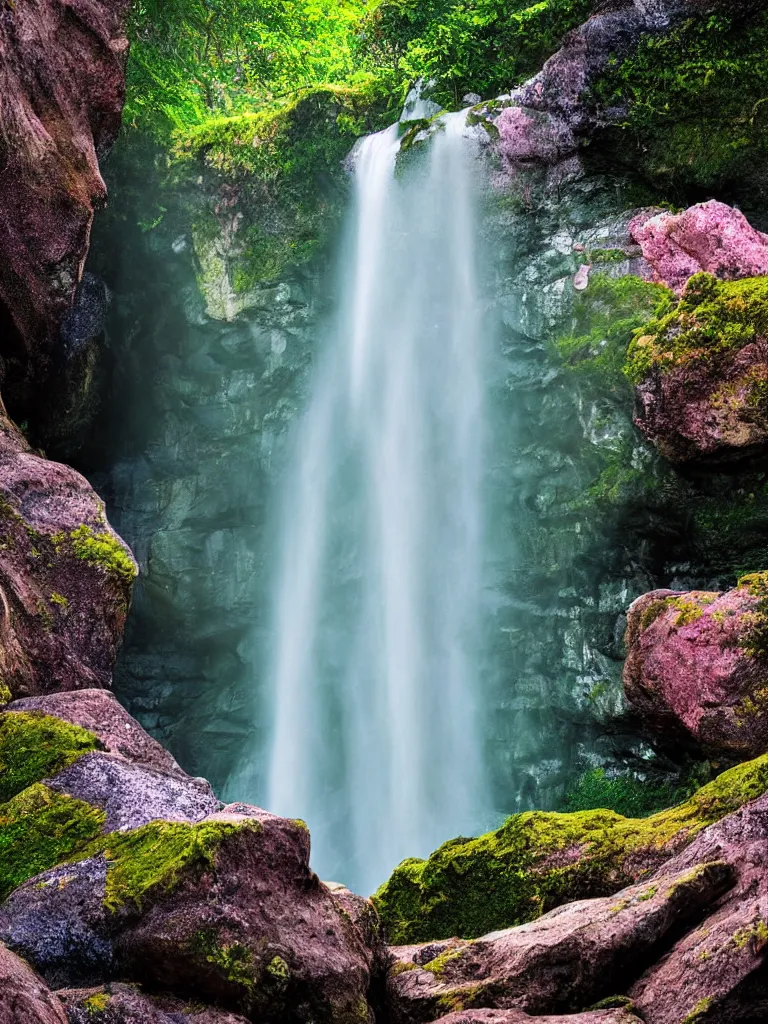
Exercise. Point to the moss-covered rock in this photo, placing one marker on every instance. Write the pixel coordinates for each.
(537, 861)
(274, 186)
(688, 103)
(700, 371)
(711, 319)
(39, 829)
(34, 746)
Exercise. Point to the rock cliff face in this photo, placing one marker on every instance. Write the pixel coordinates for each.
(62, 87)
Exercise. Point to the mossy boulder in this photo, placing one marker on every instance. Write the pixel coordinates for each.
(227, 908)
(697, 668)
(716, 972)
(537, 861)
(103, 718)
(700, 372)
(567, 960)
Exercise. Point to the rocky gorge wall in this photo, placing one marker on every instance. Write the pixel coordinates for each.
(130, 892)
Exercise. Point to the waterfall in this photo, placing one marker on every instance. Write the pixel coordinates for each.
(374, 674)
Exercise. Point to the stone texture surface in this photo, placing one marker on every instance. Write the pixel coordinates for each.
(688, 675)
(24, 999)
(62, 81)
(127, 1004)
(615, 1016)
(247, 926)
(709, 236)
(702, 410)
(718, 969)
(132, 796)
(569, 958)
(61, 614)
(58, 922)
(99, 712)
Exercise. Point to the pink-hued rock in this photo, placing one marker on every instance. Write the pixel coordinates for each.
(243, 923)
(127, 1004)
(24, 999)
(62, 613)
(570, 958)
(617, 1016)
(532, 137)
(718, 969)
(689, 675)
(699, 411)
(62, 82)
(709, 236)
(99, 712)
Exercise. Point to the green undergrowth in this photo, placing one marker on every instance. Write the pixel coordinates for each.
(34, 746)
(712, 318)
(629, 794)
(537, 861)
(283, 173)
(604, 319)
(479, 46)
(695, 100)
(40, 829)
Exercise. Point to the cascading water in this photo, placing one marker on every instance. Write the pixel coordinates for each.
(376, 738)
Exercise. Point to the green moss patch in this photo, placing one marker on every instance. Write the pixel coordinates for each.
(605, 318)
(103, 550)
(712, 318)
(34, 746)
(537, 861)
(40, 829)
(695, 100)
(158, 855)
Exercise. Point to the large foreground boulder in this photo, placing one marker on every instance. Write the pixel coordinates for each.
(24, 999)
(538, 861)
(717, 973)
(227, 909)
(62, 82)
(65, 576)
(563, 962)
(696, 668)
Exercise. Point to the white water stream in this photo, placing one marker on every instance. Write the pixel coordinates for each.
(376, 738)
